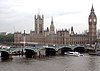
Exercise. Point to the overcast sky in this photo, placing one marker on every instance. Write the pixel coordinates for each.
(18, 15)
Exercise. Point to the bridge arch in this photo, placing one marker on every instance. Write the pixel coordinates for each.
(4, 55)
(46, 51)
(64, 49)
(29, 53)
(80, 49)
(50, 51)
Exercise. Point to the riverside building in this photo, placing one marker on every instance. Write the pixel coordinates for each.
(61, 37)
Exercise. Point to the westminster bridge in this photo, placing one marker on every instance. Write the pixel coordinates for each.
(41, 51)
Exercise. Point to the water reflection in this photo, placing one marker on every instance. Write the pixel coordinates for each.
(56, 63)
(92, 63)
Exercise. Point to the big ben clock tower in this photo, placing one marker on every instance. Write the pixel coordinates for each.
(92, 21)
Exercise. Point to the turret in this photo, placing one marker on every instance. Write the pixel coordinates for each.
(52, 28)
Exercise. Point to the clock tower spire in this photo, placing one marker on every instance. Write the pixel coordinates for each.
(92, 21)
(52, 27)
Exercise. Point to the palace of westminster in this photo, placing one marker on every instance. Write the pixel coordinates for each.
(63, 37)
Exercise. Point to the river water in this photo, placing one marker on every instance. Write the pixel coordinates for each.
(56, 63)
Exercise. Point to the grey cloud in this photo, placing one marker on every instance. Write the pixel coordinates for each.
(61, 14)
(10, 18)
(20, 22)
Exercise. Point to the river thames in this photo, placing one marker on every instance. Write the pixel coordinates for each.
(55, 63)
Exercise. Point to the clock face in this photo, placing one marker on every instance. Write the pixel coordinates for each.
(90, 20)
(94, 20)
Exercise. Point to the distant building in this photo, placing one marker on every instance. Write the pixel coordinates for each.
(72, 31)
(3, 33)
(62, 37)
(52, 27)
(39, 24)
(92, 21)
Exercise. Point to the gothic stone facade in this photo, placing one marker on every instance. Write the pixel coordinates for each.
(42, 36)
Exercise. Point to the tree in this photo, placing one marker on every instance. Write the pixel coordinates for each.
(7, 39)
